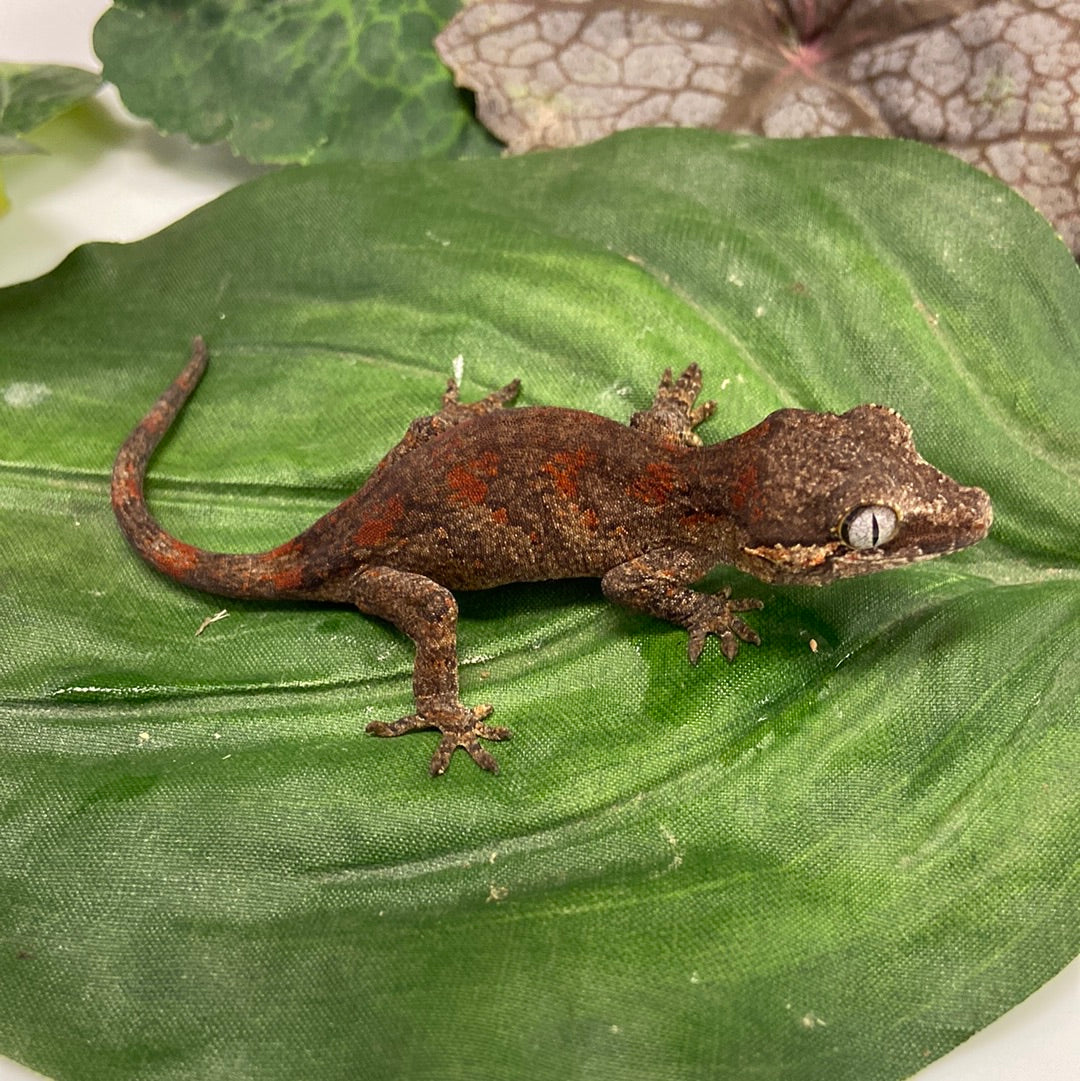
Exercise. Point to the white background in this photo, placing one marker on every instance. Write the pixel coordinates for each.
(111, 177)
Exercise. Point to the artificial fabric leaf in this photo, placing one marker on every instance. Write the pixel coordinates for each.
(31, 94)
(292, 80)
(995, 83)
(834, 859)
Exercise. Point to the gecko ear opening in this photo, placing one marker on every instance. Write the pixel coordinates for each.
(868, 526)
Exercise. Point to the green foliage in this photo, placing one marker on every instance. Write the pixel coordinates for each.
(833, 864)
(307, 81)
(30, 94)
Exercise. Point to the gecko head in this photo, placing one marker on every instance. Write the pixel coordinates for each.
(820, 496)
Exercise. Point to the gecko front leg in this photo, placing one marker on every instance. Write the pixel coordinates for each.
(427, 613)
(656, 583)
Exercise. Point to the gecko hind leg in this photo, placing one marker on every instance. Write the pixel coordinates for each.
(427, 613)
(456, 411)
(452, 412)
(672, 417)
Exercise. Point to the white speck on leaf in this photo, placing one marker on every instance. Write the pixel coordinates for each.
(25, 395)
(458, 366)
(676, 852)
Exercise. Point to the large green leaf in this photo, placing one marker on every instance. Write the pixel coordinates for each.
(812, 864)
(293, 80)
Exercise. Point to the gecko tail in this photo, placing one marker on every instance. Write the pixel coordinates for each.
(264, 574)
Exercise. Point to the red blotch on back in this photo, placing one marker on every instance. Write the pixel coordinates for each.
(563, 468)
(654, 485)
(377, 528)
(744, 486)
(697, 520)
(467, 483)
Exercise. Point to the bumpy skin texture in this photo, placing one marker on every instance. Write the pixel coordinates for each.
(479, 495)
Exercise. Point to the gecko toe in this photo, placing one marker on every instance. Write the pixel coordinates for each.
(460, 726)
(509, 392)
(468, 739)
(481, 756)
(412, 723)
(746, 604)
(716, 614)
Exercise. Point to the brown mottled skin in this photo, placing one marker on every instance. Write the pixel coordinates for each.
(478, 495)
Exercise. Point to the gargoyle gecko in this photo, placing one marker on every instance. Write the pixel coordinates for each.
(478, 495)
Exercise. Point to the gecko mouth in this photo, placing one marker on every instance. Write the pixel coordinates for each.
(816, 564)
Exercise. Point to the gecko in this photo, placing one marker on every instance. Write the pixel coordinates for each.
(480, 495)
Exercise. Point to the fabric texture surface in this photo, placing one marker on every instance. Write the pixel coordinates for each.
(836, 858)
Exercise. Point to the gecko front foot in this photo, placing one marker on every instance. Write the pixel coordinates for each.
(460, 725)
(716, 614)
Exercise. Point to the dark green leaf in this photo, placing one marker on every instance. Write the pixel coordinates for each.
(292, 80)
(808, 865)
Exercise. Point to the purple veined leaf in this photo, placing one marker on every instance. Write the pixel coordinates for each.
(991, 82)
(1000, 88)
(559, 74)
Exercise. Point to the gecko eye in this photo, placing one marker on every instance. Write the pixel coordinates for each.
(868, 527)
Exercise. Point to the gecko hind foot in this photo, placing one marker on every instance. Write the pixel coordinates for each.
(423, 429)
(455, 410)
(672, 417)
(717, 615)
(460, 725)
